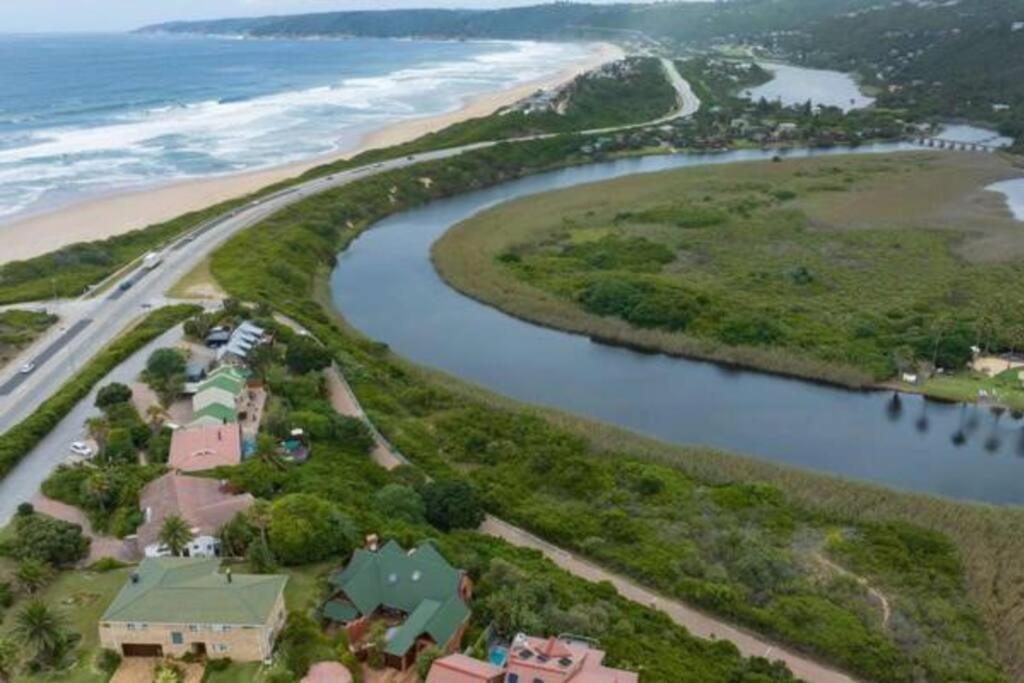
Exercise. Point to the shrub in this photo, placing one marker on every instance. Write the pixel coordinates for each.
(48, 540)
(305, 354)
(305, 528)
(112, 394)
(107, 661)
(400, 502)
(452, 504)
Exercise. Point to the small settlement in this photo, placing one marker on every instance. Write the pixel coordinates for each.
(391, 614)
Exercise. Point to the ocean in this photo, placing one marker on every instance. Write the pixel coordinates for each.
(83, 115)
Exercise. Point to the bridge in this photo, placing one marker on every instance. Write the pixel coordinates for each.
(957, 145)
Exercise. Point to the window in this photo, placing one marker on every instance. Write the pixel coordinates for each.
(220, 647)
(193, 628)
(177, 638)
(221, 628)
(513, 678)
(137, 627)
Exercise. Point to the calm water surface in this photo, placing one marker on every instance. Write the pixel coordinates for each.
(1013, 192)
(386, 286)
(796, 84)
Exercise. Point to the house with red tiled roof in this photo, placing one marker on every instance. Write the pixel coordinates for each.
(534, 660)
(458, 668)
(194, 449)
(203, 503)
(559, 660)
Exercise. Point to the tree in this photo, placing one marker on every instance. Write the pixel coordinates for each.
(32, 574)
(452, 504)
(400, 502)
(377, 638)
(305, 528)
(8, 659)
(98, 488)
(176, 534)
(156, 415)
(41, 629)
(48, 540)
(236, 536)
(99, 430)
(165, 373)
(305, 354)
(112, 394)
(426, 660)
(260, 558)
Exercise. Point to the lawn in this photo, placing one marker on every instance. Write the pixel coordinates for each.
(82, 596)
(840, 268)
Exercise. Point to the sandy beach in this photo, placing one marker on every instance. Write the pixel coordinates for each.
(122, 212)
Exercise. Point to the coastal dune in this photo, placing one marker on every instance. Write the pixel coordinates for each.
(118, 213)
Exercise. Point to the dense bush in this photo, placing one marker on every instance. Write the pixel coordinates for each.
(112, 394)
(305, 528)
(452, 504)
(46, 539)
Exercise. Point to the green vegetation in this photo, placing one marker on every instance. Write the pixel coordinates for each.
(845, 268)
(634, 90)
(20, 439)
(18, 329)
(690, 522)
(108, 488)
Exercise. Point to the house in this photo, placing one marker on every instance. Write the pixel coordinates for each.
(195, 371)
(198, 448)
(559, 660)
(203, 503)
(534, 660)
(217, 337)
(216, 400)
(421, 598)
(242, 340)
(178, 606)
(458, 668)
(328, 672)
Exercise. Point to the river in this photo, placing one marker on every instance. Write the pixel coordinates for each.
(385, 285)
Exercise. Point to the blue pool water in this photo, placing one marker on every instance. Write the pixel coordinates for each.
(498, 655)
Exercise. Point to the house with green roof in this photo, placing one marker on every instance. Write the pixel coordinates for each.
(421, 598)
(217, 399)
(172, 606)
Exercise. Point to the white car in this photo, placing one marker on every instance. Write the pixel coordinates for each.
(27, 368)
(81, 448)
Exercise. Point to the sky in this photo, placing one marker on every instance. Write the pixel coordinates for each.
(34, 16)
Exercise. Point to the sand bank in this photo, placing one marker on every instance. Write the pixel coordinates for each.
(121, 212)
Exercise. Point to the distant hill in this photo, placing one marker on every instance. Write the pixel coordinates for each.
(941, 58)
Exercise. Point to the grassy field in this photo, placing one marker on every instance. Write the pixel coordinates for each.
(838, 268)
(20, 328)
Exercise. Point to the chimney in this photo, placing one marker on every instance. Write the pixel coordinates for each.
(371, 543)
(228, 574)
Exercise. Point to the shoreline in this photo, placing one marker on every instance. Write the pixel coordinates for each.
(119, 212)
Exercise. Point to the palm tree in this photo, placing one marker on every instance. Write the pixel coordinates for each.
(32, 574)
(41, 629)
(98, 487)
(8, 659)
(156, 414)
(99, 430)
(176, 534)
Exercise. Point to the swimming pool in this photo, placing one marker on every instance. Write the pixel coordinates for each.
(498, 655)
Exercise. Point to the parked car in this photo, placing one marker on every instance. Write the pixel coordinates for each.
(81, 448)
(27, 368)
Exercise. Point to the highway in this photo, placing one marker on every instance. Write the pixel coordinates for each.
(90, 324)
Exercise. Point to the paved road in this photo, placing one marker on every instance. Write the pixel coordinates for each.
(21, 484)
